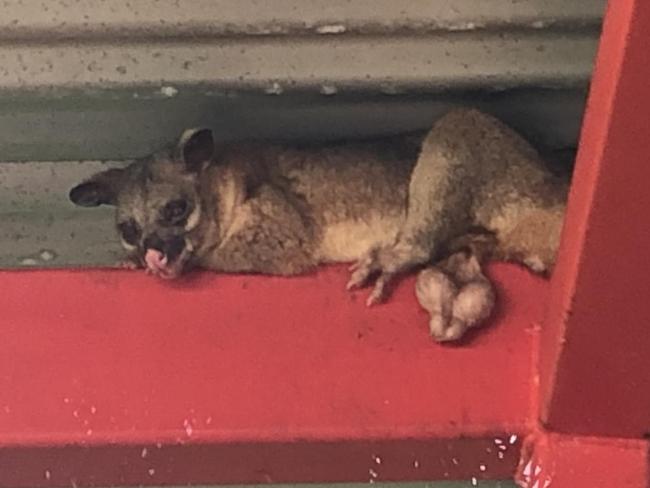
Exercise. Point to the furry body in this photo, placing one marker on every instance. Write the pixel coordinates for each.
(388, 206)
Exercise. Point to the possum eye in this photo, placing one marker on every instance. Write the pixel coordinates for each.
(175, 211)
(130, 232)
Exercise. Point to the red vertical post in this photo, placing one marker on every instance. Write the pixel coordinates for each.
(595, 349)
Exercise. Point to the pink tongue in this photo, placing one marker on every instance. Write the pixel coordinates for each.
(155, 260)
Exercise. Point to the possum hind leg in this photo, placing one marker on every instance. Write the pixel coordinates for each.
(439, 201)
(530, 237)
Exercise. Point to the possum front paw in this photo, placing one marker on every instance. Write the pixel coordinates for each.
(128, 264)
(367, 267)
(383, 264)
(363, 269)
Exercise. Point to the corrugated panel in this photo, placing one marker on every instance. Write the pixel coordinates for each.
(359, 44)
(431, 62)
(70, 71)
(116, 125)
(163, 18)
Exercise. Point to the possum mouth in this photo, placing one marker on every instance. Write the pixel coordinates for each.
(159, 265)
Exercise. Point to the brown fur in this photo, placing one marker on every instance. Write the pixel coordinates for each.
(387, 205)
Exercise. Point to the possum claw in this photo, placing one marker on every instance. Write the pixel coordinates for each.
(380, 290)
(366, 268)
(358, 279)
(127, 264)
(354, 266)
(362, 270)
(375, 297)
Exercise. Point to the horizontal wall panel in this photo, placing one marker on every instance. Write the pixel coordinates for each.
(122, 124)
(33, 19)
(385, 63)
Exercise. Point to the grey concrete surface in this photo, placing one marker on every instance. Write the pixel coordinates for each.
(431, 62)
(40, 228)
(114, 124)
(63, 19)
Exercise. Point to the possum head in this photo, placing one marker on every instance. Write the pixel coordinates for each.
(158, 203)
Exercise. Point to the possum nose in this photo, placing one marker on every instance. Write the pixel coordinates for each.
(152, 241)
(171, 247)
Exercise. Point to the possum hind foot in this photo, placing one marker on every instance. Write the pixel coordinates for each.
(457, 295)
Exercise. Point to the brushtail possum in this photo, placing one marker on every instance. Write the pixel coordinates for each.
(387, 206)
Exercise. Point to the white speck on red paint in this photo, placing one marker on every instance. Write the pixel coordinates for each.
(189, 430)
(528, 469)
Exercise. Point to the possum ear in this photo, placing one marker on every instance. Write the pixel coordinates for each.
(195, 147)
(101, 189)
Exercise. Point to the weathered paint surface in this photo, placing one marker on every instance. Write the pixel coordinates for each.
(225, 368)
(268, 464)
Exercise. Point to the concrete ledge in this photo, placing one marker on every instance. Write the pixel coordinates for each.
(114, 80)
(329, 64)
(32, 19)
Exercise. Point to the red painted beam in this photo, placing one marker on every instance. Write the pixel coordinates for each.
(561, 461)
(596, 342)
(258, 462)
(246, 379)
